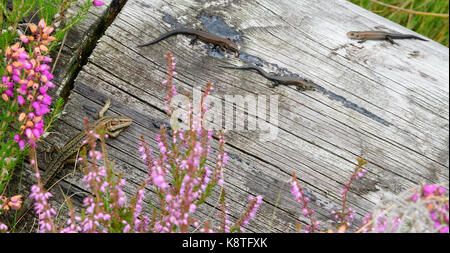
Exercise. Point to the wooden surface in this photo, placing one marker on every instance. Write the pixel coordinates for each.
(387, 104)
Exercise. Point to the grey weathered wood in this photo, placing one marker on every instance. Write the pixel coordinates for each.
(376, 101)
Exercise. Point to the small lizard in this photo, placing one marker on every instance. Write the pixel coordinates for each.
(378, 35)
(201, 35)
(113, 126)
(302, 83)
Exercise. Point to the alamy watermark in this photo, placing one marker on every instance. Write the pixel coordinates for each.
(257, 113)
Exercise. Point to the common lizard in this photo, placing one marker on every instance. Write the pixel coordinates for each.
(113, 126)
(378, 35)
(302, 83)
(201, 35)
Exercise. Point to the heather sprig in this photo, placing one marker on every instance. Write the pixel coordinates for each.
(224, 226)
(249, 213)
(346, 215)
(40, 196)
(300, 197)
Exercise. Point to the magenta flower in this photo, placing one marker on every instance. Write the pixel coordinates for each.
(98, 3)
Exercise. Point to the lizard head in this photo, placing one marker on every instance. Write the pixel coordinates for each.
(353, 35)
(115, 124)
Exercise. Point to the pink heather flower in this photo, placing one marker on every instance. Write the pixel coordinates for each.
(20, 100)
(16, 78)
(24, 39)
(429, 189)
(3, 227)
(415, 197)
(98, 3)
(21, 144)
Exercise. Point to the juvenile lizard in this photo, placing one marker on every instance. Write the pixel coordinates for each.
(113, 126)
(302, 83)
(201, 35)
(378, 35)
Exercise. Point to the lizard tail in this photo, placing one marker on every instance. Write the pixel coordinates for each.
(408, 37)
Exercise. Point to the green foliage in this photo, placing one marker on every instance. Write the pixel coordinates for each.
(11, 18)
(55, 113)
(10, 153)
(427, 24)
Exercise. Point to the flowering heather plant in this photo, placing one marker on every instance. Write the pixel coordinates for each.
(105, 210)
(300, 197)
(183, 156)
(23, 91)
(25, 74)
(27, 80)
(179, 174)
(418, 210)
(345, 216)
(424, 209)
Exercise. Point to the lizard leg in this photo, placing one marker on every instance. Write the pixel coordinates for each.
(104, 109)
(194, 40)
(218, 48)
(300, 88)
(71, 161)
(362, 41)
(50, 151)
(273, 85)
(115, 133)
(389, 38)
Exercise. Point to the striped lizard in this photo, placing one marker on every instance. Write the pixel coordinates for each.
(378, 35)
(113, 126)
(301, 83)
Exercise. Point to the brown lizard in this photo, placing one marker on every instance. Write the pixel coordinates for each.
(226, 43)
(113, 126)
(302, 83)
(378, 35)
